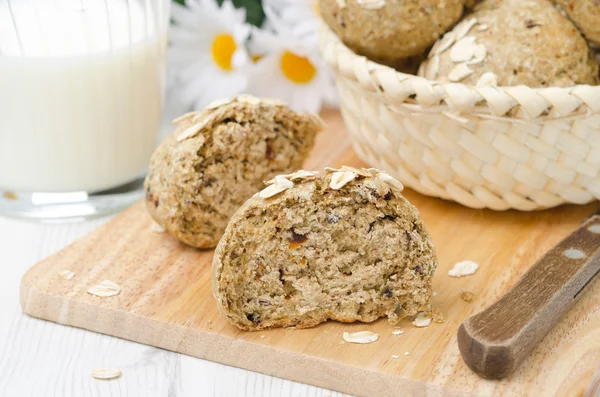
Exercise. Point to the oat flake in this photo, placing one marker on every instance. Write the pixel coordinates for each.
(156, 228)
(300, 174)
(273, 101)
(432, 67)
(67, 274)
(463, 50)
(271, 190)
(105, 289)
(219, 102)
(362, 171)
(479, 55)
(251, 99)
(459, 72)
(341, 178)
(106, 373)
(464, 27)
(463, 268)
(487, 79)
(361, 337)
(191, 131)
(371, 4)
(422, 320)
(443, 44)
(283, 181)
(390, 180)
(184, 117)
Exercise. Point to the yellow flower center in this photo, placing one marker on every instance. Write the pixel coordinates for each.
(223, 48)
(296, 68)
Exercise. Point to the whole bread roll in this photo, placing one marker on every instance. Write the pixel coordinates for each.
(512, 42)
(390, 31)
(586, 15)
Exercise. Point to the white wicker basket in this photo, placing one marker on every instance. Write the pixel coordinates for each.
(483, 147)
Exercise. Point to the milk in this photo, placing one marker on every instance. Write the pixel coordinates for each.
(81, 85)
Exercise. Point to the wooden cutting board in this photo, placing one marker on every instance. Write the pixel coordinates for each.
(166, 302)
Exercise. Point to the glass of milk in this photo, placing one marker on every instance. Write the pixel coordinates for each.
(81, 89)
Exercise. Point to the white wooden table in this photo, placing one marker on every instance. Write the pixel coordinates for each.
(39, 358)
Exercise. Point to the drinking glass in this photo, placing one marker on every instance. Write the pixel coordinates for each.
(81, 92)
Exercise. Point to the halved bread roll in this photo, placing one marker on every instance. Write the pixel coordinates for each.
(218, 158)
(345, 246)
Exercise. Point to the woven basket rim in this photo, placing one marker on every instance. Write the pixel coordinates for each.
(421, 94)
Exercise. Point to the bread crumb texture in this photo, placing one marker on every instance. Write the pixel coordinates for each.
(311, 253)
(218, 158)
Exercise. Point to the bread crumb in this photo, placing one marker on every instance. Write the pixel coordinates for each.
(467, 296)
(437, 316)
(463, 268)
(395, 356)
(397, 332)
(406, 353)
(434, 293)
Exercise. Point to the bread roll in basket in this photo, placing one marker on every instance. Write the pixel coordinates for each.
(483, 147)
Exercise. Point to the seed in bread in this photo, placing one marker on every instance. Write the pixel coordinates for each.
(389, 31)
(518, 42)
(586, 15)
(218, 158)
(345, 246)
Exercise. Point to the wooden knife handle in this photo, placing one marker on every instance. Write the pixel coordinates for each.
(494, 342)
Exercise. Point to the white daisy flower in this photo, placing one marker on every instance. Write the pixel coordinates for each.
(300, 16)
(207, 56)
(289, 70)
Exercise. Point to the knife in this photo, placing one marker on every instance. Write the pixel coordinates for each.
(494, 342)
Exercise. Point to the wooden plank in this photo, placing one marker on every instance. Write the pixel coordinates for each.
(166, 302)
